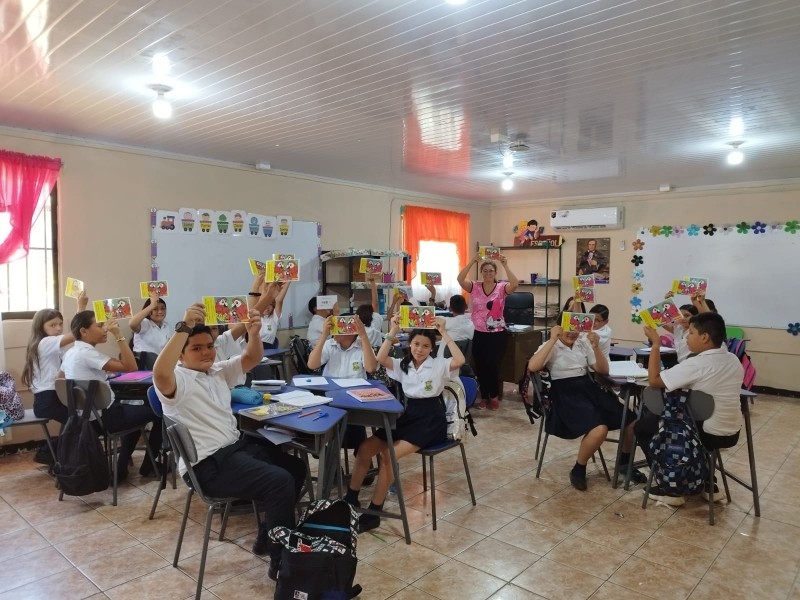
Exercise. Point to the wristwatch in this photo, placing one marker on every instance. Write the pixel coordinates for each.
(182, 327)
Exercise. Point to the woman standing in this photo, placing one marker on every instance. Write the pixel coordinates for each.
(488, 301)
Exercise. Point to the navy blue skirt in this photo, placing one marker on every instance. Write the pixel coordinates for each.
(579, 405)
(423, 423)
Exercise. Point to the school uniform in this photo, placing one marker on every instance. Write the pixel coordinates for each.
(228, 465)
(375, 331)
(679, 342)
(227, 347)
(314, 331)
(269, 330)
(423, 423)
(579, 405)
(46, 404)
(460, 327)
(342, 363)
(604, 333)
(151, 336)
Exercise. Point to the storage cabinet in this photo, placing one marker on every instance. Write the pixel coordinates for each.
(350, 260)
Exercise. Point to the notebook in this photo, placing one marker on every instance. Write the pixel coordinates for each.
(370, 395)
(301, 399)
(269, 411)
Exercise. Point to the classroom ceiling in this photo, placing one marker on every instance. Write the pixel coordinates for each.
(587, 96)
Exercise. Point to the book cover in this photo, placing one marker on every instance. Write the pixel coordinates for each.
(583, 281)
(257, 267)
(74, 288)
(584, 294)
(225, 310)
(343, 325)
(153, 287)
(402, 291)
(689, 286)
(282, 270)
(417, 317)
(660, 314)
(112, 308)
(371, 266)
(370, 395)
(489, 252)
(269, 411)
(581, 322)
(430, 278)
(284, 257)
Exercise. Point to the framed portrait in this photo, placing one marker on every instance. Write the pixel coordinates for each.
(593, 257)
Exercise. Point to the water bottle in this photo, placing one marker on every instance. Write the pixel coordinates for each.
(291, 321)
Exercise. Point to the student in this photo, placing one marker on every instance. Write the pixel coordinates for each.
(601, 328)
(372, 320)
(581, 408)
(344, 356)
(423, 423)
(229, 342)
(43, 360)
(195, 391)
(150, 331)
(459, 326)
(84, 361)
(712, 370)
(270, 306)
(680, 329)
(318, 320)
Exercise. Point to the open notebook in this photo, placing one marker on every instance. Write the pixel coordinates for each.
(301, 399)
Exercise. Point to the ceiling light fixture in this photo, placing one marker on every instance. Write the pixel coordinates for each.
(161, 106)
(737, 126)
(161, 65)
(735, 156)
(508, 161)
(508, 183)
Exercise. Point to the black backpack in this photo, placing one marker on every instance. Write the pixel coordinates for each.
(81, 466)
(318, 560)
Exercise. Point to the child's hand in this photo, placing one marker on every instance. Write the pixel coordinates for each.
(430, 287)
(503, 260)
(440, 324)
(683, 322)
(153, 300)
(594, 339)
(254, 325)
(83, 301)
(327, 325)
(112, 327)
(360, 326)
(395, 324)
(556, 331)
(194, 315)
(477, 258)
(652, 335)
(669, 294)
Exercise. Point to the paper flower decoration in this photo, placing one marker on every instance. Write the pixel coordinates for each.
(636, 302)
(709, 229)
(792, 227)
(638, 274)
(636, 288)
(759, 227)
(727, 228)
(638, 244)
(794, 328)
(642, 231)
(775, 227)
(655, 230)
(693, 230)
(636, 319)
(743, 227)
(666, 230)
(637, 260)
(678, 231)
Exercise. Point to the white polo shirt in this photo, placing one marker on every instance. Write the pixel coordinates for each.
(565, 362)
(202, 402)
(152, 337)
(679, 342)
(718, 373)
(604, 333)
(375, 331)
(460, 327)
(227, 347)
(44, 374)
(427, 381)
(341, 363)
(314, 331)
(269, 328)
(84, 361)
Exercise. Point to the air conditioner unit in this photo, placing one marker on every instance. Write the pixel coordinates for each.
(587, 218)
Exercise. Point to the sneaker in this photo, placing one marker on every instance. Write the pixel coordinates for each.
(481, 405)
(578, 481)
(368, 522)
(718, 495)
(272, 571)
(494, 404)
(657, 495)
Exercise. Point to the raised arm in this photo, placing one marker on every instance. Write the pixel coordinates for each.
(458, 356)
(315, 358)
(463, 280)
(83, 302)
(539, 360)
(699, 301)
(136, 320)
(513, 282)
(238, 330)
(432, 291)
(256, 291)
(370, 362)
(164, 369)
(383, 357)
(254, 351)
(126, 361)
(373, 287)
(654, 363)
(283, 288)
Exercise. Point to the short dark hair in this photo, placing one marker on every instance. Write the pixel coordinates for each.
(160, 301)
(458, 306)
(427, 333)
(197, 330)
(312, 305)
(690, 308)
(533, 222)
(600, 309)
(81, 320)
(711, 305)
(364, 313)
(711, 324)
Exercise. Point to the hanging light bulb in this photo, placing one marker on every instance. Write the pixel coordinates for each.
(162, 108)
(508, 183)
(508, 161)
(735, 156)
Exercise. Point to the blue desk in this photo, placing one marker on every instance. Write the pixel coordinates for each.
(668, 356)
(620, 353)
(278, 354)
(131, 391)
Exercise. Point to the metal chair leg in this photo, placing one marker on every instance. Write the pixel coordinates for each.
(724, 476)
(647, 489)
(466, 470)
(424, 476)
(433, 494)
(183, 527)
(541, 455)
(603, 463)
(206, 535)
(539, 439)
(710, 459)
(226, 511)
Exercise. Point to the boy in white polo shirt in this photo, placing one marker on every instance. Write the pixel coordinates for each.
(712, 370)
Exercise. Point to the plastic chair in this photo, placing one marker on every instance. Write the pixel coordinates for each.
(471, 389)
(31, 419)
(67, 388)
(183, 445)
(734, 332)
(165, 453)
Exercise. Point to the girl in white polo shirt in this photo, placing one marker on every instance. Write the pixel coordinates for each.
(423, 424)
(150, 329)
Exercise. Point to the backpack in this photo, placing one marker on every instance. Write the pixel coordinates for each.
(533, 407)
(10, 402)
(456, 411)
(318, 558)
(81, 465)
(737, 347)
(680, 467)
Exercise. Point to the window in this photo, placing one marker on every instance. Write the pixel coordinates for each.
(437, 257)
(29, 284)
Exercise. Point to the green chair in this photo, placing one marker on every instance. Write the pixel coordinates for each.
(734, 332)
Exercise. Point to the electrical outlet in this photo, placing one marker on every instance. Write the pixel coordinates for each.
(622, 245)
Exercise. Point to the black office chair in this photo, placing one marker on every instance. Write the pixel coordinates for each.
(519, 308)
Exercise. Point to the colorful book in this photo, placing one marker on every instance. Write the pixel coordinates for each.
(74, 288)
(584, 294)
(226, 310)
(417, 317)
(284, 257)
(146, 288)
(660, 314)
(370, 266)
(134, 376)
(370, 395)
(269, 411)
(257, 267)
(282, 270)
(689, 286)
(343, 325)
(403, 291)
(583, 281)
(581, 322)
(489, 252)
(327, 302)
(112, 308)
(430, 278)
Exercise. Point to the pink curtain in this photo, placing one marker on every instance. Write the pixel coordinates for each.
(25, 182)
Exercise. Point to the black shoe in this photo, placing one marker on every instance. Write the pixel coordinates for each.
(261, 548)
(43, 456)
(368, 522)
(578, 481)
(636, 475)
(147, 470)
(274, 567)
(369, 479)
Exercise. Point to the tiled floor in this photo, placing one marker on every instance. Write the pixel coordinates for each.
(526, 538)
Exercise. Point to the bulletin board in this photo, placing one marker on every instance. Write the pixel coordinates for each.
(199, 254)
(751, 267)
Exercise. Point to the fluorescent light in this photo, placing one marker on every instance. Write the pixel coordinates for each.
(162, 108)
(161, 65)
(735, 157)
(508, 161)
(508, 184)
(736, 126)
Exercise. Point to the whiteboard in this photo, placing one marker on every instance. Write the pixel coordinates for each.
(752, 278)
(196, 265)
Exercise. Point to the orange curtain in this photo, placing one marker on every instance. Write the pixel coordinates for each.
(429, 224)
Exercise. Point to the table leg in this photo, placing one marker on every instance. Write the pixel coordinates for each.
(396, 470)
(752, 459)
(626, 390)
